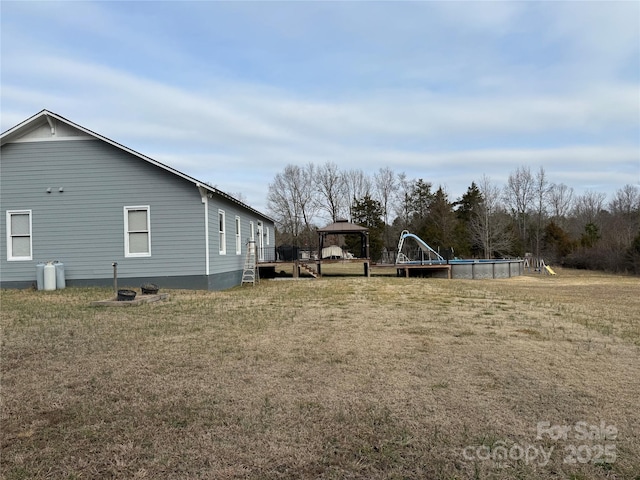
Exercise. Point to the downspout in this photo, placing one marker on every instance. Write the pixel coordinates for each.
(204, 197)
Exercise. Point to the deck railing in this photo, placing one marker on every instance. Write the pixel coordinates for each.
(284, 254)
(266, 254)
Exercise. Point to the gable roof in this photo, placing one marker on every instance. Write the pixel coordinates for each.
(51, 118)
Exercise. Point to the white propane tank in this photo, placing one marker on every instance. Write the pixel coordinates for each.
(60, 283)
(40, 276)
(49, 276)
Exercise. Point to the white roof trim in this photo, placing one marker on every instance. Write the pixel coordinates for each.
(50, 139)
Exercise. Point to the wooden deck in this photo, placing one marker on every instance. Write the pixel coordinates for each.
(401, 270)
(404, 270)
(456, 269)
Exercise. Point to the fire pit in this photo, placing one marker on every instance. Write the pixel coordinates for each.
(149, 289)
(126, 295)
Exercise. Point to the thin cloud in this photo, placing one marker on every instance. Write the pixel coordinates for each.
(234, 92)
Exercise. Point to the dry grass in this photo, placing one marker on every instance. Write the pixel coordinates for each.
(342, 377)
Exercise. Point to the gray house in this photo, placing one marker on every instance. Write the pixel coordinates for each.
(72, 195)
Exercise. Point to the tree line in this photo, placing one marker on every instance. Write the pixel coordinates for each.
(528, 215)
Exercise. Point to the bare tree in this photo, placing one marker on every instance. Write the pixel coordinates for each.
(357, 186)
(402, 200)
(587, 216)
(588, 206)
(489, 224)
(385, 183)
(541, 189)
(625, 210)
(626, 201)
(291, 201)
(518, 194)
(332, 188)
(560, 201)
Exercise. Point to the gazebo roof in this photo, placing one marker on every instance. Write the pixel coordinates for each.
(342, 226)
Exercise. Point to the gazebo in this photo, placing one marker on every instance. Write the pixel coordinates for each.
(343, 227)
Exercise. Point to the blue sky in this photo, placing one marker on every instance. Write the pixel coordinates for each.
(232, 92)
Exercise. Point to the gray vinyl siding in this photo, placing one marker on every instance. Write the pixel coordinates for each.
(231, 262)
(83, 227)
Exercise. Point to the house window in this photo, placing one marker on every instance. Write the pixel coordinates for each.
(252, 232)
(137, 232)
(221, 227)
(238, 237)
(19, 241)
(266, 234)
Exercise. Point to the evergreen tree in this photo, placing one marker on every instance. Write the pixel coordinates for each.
(420, 203)
(465, 211)
(590, 236)
(441, 222)
(367, 212)
(556, 242)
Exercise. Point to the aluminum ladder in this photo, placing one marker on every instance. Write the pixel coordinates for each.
(250, 271)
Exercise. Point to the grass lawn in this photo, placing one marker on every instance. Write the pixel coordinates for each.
(533, 377)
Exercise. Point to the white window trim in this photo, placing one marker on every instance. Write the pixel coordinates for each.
(252, 232)
(238, 236)
(222, 234)
(10, 256)
(266, 232)
(127, 254)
